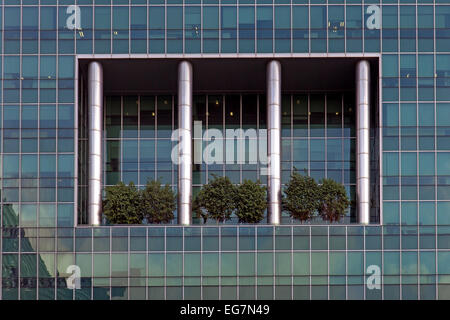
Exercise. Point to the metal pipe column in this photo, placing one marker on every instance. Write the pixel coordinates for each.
(95, 110)
(363, 141)
(185, 142)
(274, 141)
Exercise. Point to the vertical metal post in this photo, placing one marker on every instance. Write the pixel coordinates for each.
(274, 141)
(95, 110)
(363, 141)
(185, 142)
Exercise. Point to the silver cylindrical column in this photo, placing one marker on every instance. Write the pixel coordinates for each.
(274, 141)
(185, 142)
(95, 110)
(363, 141)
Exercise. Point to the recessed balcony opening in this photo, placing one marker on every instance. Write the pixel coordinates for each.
(318, 121)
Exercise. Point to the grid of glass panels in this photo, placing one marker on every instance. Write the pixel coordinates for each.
(413, 40)
(210, 27)
(235, 262)
(37, 93)
(318, 138)
(138, 144)
(37, 140)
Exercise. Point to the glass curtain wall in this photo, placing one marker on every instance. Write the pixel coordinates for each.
(318, 138)
(137, 139)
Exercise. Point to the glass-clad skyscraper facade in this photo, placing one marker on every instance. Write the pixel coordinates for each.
(357, 91)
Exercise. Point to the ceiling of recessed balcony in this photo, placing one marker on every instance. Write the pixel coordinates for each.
(159, 75)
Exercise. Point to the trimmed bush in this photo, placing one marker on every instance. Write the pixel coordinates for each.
(301, 197)
(250, 201)
(333, 200)
(215, 200)
(122, 204)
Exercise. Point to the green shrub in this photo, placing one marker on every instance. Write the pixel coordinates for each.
(333, 200)
(250, 201)
(158, 202)
(215, 200)
(122, 204)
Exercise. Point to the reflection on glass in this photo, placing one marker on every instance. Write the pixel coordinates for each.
(215, 112)
(130, 116)
(334, 115)
(249, 111)
(349, 116)
(300, 115)
(286, 115)
(317, 115)
(112, 162)
(232, 111)
(129, 163)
